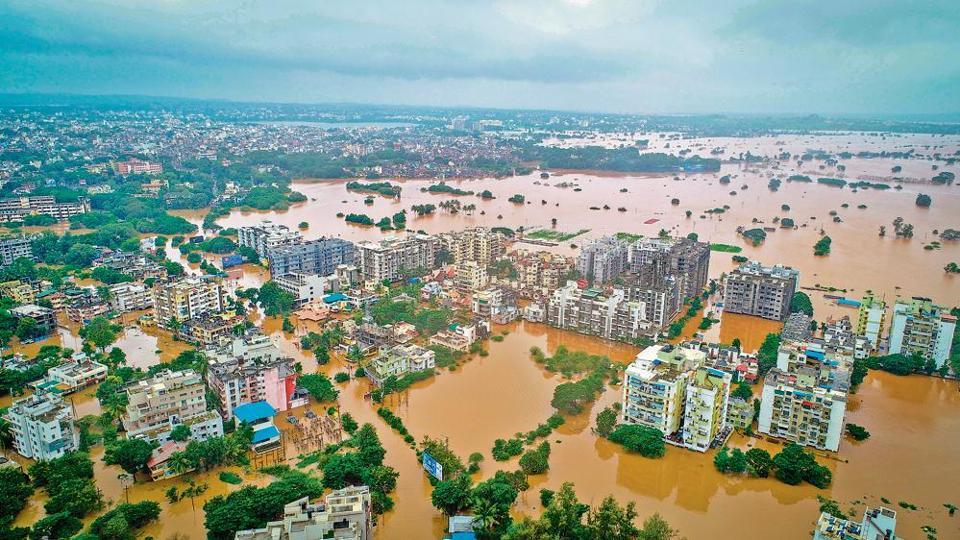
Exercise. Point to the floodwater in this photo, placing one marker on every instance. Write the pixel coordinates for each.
(913, 420)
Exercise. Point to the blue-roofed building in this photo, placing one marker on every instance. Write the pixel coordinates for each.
(259, 416)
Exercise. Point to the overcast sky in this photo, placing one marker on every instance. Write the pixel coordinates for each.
(669, 56)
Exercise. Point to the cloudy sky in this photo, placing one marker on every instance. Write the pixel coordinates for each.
(656, 56)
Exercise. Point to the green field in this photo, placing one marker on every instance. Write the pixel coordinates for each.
(725, 248)
(555, 236)
(628, 237)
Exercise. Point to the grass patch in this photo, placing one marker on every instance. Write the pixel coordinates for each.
(628, 237)
(555, 236)
(725, 248)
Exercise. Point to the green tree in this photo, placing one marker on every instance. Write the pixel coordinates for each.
(319, 386)
(274, 300)
(130, 454)
(101, 332)
(646, 441)
(76, 496)
(180, 433)
(606, 421)
(657, 528)
(767, 354)
(743, 391)
(859, 433)
(452, 495)
(56, 525)
(15, 490)
(801, 303)
(612, 521)
(759, 462)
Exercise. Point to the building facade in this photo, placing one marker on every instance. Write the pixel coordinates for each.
(267, 236)
(399, 360)
(17, 208)
(168, 399)
(321, 257)
(686, 260)
(188, 298)
(801, 413)
(13, 248)
(252, 369)
(345, 514)
(604, 259)
(921, 327)
(388, 259)
(595, 312)
(753, 289)
(42, 426)
(871, 319)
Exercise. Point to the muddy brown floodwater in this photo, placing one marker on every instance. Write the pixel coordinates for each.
(915, 421)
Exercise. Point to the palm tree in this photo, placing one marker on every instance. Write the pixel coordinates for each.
(179, 463)
(485, 515)
(193, 491)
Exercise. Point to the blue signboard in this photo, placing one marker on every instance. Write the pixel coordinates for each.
(431, 466)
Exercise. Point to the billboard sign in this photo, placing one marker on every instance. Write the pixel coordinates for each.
(431, 466)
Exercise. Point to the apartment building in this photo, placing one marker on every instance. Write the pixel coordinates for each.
(209, 330)
(815, 364)
(387, 259)
(307, 288)
(661, 299)
(17, 208)
(168, 399)
(760, 291)
(877, 524)
(188, 298)
(796, 327)
(458, 337)
(42, 426)
(252, 369)
(471, 276)
(73, 374)
(46, 318)
(321, 257)
(130, 297)
(705, 408)
(598, 313)
(539, 273)
(479, 244)
(18, 291)
(654, 387)
(794, 410)
(604, 259)
(267, 236)
(85, 308)
(687, 261)
(398, 360)
(871, 319)
(345, 514)
(922, 327)
(13, 248)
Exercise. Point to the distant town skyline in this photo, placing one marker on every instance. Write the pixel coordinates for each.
(784, 56)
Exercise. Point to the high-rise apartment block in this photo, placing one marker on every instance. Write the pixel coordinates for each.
(603, 259)
(266, 237)
(684, 259)
(598, 313)
(670, 389)
(792, 409)
(42, 426)
(13, 248)
(168, 399)
(922, 327)
(478, 244)
(754, 289)
(188, 298)
(321, 256)
(388, 259)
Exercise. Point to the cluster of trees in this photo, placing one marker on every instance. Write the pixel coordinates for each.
(859, 433)
(382, 188)
(792, 465)
(924, 200)
(626, 159)
(444, 188)
(572, 397)
(252, 507)
(767, 353)
(800, 303)
(756, 235)
(489, 501)
(564, 516)
(536, 461)
(68, 481)
(15, 490)
(396, 423)
(646, 441)
(569, 362)
(904, 364)
(319, 386)
(363, 466)
(272, 298)
(427, 320)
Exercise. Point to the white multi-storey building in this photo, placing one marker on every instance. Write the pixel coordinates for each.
(922, 327)
(188, 298)
(398, 360)
(603, 259)
(166, 400)
(130, 297)
(42, 426)
(267, 236)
